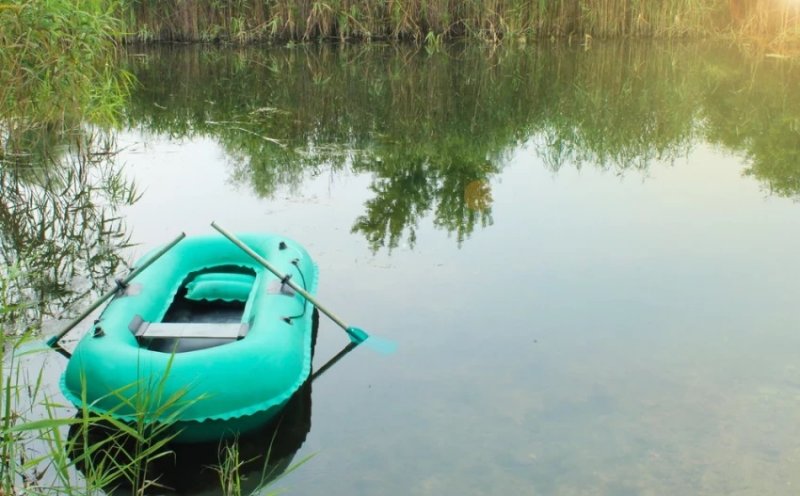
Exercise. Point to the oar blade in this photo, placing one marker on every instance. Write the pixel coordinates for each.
(360, 337)
(381, 345)
(357, 335)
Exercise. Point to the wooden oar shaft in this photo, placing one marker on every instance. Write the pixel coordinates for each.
(258, 258)
(111, 293)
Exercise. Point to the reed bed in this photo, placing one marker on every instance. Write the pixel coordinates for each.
(767, 25)
(57, 65)
(426, 20)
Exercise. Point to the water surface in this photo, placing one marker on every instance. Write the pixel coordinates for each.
(588, 258)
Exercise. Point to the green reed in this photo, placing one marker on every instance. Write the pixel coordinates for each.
(421, 20)
(45, 450)
(231, 466)
(56, 63)
(59, 234)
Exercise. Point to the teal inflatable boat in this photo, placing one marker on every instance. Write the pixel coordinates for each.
(204, 339)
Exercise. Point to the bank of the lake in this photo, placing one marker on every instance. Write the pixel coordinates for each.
(770, 24)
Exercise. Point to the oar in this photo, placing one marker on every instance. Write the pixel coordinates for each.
(356, 335)
(53, 341)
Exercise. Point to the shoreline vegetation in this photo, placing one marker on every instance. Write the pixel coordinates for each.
(767, 26)
(772, 25)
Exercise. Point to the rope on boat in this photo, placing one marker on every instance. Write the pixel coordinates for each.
(296, 263)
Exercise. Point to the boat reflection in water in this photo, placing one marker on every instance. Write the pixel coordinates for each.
(253, 459)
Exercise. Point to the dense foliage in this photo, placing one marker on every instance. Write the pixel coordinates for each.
(57, 63)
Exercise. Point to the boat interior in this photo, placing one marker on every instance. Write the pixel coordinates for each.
(205, 312)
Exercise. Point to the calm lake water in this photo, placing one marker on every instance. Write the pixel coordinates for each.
(588, 258)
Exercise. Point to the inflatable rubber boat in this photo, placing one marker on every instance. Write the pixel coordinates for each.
(205, 339)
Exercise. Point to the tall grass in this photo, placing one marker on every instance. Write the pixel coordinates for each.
(37, 454)
(772, 25)
(47, 448)
(281, 20)
(56, 64)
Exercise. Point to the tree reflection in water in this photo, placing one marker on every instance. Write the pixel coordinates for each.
(429, 128)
